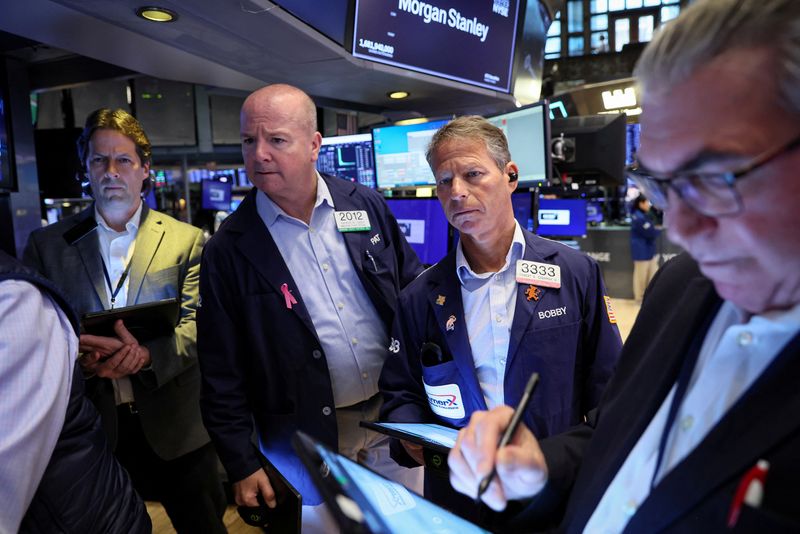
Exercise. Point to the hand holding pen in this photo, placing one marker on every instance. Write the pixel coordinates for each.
(516, 470)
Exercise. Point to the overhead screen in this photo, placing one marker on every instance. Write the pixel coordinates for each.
(527, 132)
(400, 154)
(471, 42)
(595, 148)
(348, 157)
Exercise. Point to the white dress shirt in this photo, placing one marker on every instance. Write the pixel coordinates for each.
(489, 301)
(347, 324)
(116, 251)
(37, 353)
(734, 354)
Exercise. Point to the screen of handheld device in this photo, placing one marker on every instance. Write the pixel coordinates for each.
(363, 501)
(425, 433)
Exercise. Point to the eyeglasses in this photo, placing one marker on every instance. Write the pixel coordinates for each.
(713, 194)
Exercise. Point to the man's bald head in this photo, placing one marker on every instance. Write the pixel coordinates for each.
(281, 96)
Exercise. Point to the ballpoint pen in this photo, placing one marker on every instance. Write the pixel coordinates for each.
(750, 491)
(511, 429)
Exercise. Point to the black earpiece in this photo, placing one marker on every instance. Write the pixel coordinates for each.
(512, 177)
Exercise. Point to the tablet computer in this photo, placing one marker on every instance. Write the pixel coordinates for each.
(362, 501)
(144, 321)
(430, 435)
(286, 517)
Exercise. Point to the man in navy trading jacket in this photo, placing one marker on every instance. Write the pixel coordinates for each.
(502, 305)
(298, 289)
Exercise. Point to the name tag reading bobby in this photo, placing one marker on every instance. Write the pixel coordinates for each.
(538, 274)
(352, 221)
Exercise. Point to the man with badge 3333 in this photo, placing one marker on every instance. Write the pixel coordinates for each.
(298, 289)
(503, 304)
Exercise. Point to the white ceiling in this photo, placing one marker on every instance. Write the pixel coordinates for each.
(237, 44)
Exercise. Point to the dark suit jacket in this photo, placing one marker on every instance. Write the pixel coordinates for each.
(166, 264)
(574, 352)
(262, 362)
(697, 494)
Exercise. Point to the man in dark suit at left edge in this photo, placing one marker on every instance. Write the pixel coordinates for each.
(119, 253)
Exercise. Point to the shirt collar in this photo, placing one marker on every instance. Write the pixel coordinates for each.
(470, 280)
(131, 226)
(270, 211)
(781, 319)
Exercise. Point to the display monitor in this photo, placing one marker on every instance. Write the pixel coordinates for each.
(632, 133)
(349, 157)
(471, 42)
(526, 130)
(8, 181)
(594, 211)
(593, 148)
(216, 195)
(236, 200)
(400, 154)
(150, 199)
(522, 202)
(561, 217)
(424, 224)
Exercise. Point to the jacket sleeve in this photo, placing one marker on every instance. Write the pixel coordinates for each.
(172, 355)
(404, 398)
(221, 351)
(602, 342)
(642, 226)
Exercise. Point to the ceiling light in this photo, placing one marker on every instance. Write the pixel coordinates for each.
(407, 122)
(397, 95)
(157, 14)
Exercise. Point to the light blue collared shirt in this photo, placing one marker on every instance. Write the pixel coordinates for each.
(735, 352)
(116, 250)
(490, 300)
(347, 324)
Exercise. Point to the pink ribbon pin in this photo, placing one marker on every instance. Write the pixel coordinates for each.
(288, 297)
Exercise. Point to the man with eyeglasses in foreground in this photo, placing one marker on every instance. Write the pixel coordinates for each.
(698, 430)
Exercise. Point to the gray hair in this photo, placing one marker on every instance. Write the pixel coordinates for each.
(709, 28)
(472, 128)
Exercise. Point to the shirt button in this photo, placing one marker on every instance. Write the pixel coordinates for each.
(310, 229)
(687, 422)
(503, 361)
(340, 305)
(744, 339)
(498, 318)
(317, 354)
(326, 410)
(354, 341)
(325, 266)
(629, 508)
(364, 376)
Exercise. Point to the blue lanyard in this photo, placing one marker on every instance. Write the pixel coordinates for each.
(114, 292)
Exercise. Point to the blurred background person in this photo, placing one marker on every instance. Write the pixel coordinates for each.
(643, 245)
